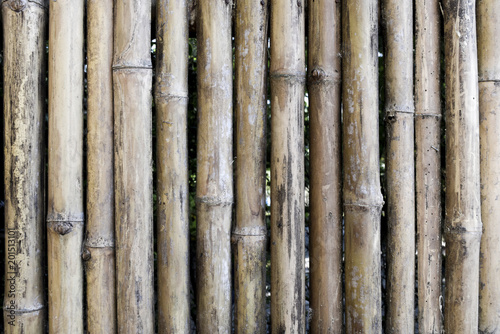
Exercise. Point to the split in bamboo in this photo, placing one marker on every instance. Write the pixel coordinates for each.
(400, 175)
(463, 208)
(24, 56)
(99, 252)
(171, 99)
(287, 74)
(133, 183)
(65, 183)
(361, 187)
(249, 235)
(488, 29)
(214, 180)
(428, 164)
(326, 167)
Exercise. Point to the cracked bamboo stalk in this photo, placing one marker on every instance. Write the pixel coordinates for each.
(99, 242)
(214, 180)
(24, 56)
(132, 81)
(400, 174)
(488, 28)
(361, 187)
(249, 234)
(171, 97)
(428, 164)
(463, 208)
(326, 167)
(287, 77)
(65, 198)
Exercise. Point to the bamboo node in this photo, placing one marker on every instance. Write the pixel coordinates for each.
(17, 5)
(86, 255)
(257, 231)
(61, 227)
(317, 75)
(213, 201)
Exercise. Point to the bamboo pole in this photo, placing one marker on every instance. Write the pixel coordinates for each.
(65, 198)
(362, 196)
(428, 164)
(399, 110)
(463, 208)
(132, 81)
(326, 167)
(488, 28)
(24, 56)
(249, 234)
(99, 243)
(171, 97)
(287, 74)
(214, 180)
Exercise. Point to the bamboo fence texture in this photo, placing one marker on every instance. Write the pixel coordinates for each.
(271, 166)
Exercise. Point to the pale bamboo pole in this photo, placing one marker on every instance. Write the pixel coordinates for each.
(326, 166)
(488, 28)
(287, 74)
(428, 164)
(249, 234)
(132, 82)
(362, 196)
(65, 183)
(214, 180)
(24, 56)
(99, 243)
(463, 208)
(171, 97)
(400, 166)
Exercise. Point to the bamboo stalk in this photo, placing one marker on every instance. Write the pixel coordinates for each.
(214, 180)
(24, 27)
(326, 168)
(488, 28)
(428, 164)
(65, 198)
(463, 208)
(249, 234)
(362, 196)
(287, 74)
(399, 110)
(132, 81)
(99, 243)
(172, 158)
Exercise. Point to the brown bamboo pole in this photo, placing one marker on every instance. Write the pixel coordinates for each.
(249, 234)
(132, 81)
(488, 28)
(214, 180)
(65, 198)
(287, 74)
(24, 56)
(361, 187)
(428, 164)
(400, 175)
(99, 242)
(171, 97)
(326, 166)
(463, 208)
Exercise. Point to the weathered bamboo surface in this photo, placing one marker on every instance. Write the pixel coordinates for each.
(24, 61)
(171, 99)
(287, 78)
(324, 84)
(488, 29)
(249, 233)
(463, 208)
(361, 182)
(214, 183)
(132, 82)
(428, 164)
(65, 177)
(99, 253)
(400, 167)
